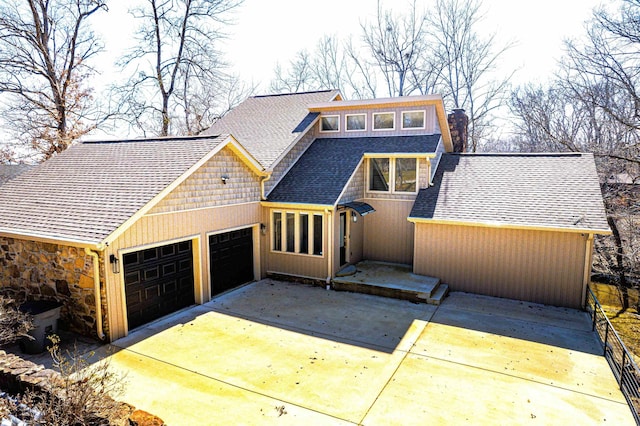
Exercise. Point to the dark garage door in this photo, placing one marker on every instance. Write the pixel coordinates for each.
(158, 281)
(231, 258)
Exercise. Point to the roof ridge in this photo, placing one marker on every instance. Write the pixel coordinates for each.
(519, 154)
(155, 139)
(294, 93)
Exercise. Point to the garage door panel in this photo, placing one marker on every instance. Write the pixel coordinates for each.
(158, 281)
(231, 259)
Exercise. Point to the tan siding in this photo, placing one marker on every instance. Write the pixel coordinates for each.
(163, 228)
(431, 123)
(291, 263)
(205, 187)
(356, 239)
(280, 169)
(388, 236)
(537, 266)
(355, 188)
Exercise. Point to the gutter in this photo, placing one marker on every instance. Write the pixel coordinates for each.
(263, 196)
(96, 288)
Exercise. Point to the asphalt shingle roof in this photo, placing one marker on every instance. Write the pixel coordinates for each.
(530, 190)
(10, 171)
(89, 190)
(266, 125)
(322, 172)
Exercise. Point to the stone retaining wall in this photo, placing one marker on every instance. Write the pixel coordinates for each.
(32, 270)
(18, 375)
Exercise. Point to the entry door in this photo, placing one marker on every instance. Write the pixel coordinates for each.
(343, 238)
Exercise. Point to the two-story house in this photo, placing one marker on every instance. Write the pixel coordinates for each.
(298, 185)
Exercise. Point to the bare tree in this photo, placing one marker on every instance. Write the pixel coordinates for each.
(399, 47)
(176, 57)
(469, 60)
(593, 105)
(45, 51)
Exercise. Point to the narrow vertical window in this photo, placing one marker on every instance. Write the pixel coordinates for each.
(304, 233)
(379, 174)
(317, 235)
(291, 232)
(277, 231)
(406, 175)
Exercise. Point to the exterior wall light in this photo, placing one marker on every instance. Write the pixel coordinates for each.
(115, 264)
(224, 178)
(263, 229)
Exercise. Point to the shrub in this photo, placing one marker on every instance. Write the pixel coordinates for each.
(14, 324)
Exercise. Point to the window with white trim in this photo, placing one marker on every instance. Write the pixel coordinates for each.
(393, 175)
(413, 119)
(384, 120)
(297, 232)
(330, 123)
(356, 122)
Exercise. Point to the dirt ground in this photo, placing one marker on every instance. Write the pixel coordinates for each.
(627, 322)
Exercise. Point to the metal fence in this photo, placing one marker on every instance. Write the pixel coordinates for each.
(620, 359)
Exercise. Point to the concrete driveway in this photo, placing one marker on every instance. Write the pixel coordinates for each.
(282, 353)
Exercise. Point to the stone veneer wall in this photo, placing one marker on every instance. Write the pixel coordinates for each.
(32, 270)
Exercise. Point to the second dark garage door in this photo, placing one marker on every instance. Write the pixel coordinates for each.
(158, 281)
(231, 259)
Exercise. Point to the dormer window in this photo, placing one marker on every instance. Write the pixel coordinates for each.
(330, 123)
(393, 175)
(384, 121)
(356, 122)
(413, 120)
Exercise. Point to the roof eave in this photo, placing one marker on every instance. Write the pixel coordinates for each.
(294, 205)
(19, 234)
(532, 227)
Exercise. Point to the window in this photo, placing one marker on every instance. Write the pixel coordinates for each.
(379, 174)
(405, 175)
(277, 231)
(356, 122)
(413, 120)
(398, 174)
(291, 232)
(304, 233)
(384, 121)
(317, 234)
(330, 123)
(301, 233)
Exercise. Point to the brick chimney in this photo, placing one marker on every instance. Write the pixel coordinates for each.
(458, 125)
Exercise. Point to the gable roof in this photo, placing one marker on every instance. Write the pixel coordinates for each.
(268, 125)
(322, 172)
(550, 191)
(92, 189)
(10, 171)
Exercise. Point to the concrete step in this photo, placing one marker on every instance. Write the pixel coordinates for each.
(419, 288)
(438, 296)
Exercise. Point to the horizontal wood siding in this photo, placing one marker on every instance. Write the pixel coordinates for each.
(163, 228)
(537, 266)
(388, 235)
(431, 123)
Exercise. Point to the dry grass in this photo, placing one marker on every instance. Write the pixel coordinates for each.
(626, 323)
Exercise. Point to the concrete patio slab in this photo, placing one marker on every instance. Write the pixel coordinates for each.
(327, 357)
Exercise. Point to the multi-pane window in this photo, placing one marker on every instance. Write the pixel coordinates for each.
(330, 123)
(399, 174)
(384, 121)
(356, 122)
(413, 120)
(301, 232)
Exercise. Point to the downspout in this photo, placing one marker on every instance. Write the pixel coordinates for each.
(263, 196)
(96, 288)
(587, 267)
(329, 246)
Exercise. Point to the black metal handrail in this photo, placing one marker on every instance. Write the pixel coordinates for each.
(618, 356)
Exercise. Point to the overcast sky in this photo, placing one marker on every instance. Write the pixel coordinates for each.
(268, 31)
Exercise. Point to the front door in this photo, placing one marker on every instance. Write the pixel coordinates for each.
(343, 238)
